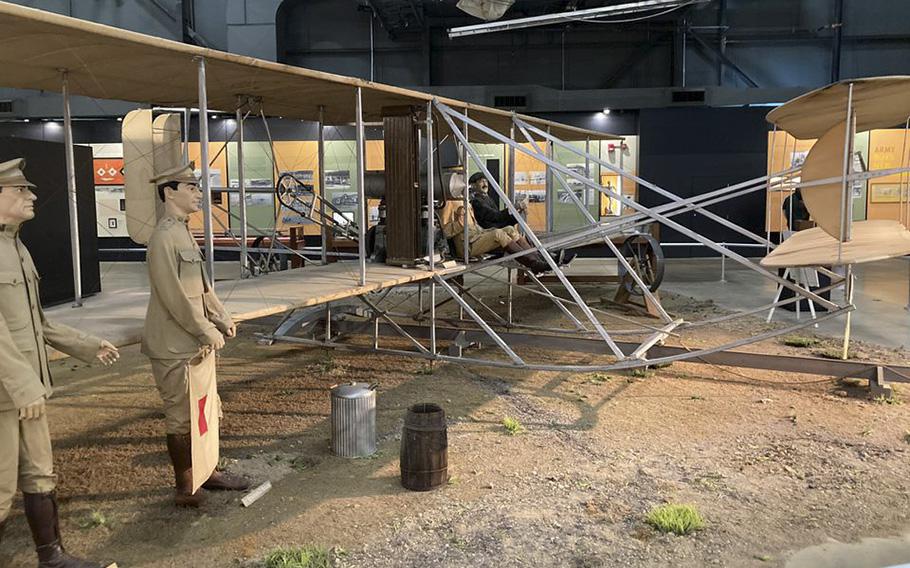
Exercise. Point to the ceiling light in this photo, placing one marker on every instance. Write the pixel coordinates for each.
(488, 10)
(571, 16)
(606, 111)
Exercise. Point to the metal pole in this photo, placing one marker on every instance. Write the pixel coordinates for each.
(431, 225)
(320, 158)
(848, 142)
(510, 183)
(71, 193)
(768, 189)
(548, 187)
(849, 293)
(511, 193)
(584, 196)
(361, 199)
(465, 204)
(619, 179)
(205, 182)
(241, 184)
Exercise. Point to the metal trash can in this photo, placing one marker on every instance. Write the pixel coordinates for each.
(354, 420)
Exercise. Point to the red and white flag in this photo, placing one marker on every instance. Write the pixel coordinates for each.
(204, 417)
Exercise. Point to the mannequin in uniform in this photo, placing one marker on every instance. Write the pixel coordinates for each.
(185, 322)
(25, 382)
(488, 213)
(482, 241)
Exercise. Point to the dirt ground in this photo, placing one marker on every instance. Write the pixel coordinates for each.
(775, 463)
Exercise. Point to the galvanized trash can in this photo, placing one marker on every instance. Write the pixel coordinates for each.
(354, 420)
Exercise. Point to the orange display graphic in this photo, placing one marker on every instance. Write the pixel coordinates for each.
(108, 171)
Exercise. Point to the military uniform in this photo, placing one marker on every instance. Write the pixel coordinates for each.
(25, 446)
(184, 321)
(26, 459)
(480, 241)
(184, 314)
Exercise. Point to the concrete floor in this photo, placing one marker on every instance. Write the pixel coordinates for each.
(881, 291)
(881, 295)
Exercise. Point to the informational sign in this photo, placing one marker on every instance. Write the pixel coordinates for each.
(108, 171)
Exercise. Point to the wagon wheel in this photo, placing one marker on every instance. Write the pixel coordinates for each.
(644, 255)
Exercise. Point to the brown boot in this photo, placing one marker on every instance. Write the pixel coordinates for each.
(179, 448)
(41, 512)
(224, 481)
(532, 260)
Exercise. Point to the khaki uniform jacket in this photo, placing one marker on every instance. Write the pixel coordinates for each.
(454, 228)
(24, 331)
(183, 313)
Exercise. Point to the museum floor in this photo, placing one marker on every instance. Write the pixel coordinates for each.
(881, 291)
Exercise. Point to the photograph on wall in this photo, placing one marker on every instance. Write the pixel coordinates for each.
(215, 179)
(885, 193)
(344, 200)
(538, 177)
(578, 169)
(535, 195)
(521, 178)
(338, 179)
(563, 196)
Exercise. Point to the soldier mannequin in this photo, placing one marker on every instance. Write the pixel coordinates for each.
(185, 321)
(25, 382)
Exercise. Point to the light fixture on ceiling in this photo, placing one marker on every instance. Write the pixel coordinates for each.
(488, 10)
(606, 111)
(643, 6)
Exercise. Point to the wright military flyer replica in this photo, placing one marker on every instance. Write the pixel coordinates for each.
(60, 54)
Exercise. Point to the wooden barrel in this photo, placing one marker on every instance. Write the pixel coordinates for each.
(424, 448)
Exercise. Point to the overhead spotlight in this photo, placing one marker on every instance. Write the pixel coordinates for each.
(606, 111)
(119, 119)
(488, 10)
(25, 120)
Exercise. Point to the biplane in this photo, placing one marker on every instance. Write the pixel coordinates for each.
(60, 54)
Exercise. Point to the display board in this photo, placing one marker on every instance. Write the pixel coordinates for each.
(48, 236)
(889, 148)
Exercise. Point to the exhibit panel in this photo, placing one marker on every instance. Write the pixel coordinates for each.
(888, 195)
(48, 235)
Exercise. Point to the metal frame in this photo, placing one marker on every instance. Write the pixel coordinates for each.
(587, 332)
(587, 328)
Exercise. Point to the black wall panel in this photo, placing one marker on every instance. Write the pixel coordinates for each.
(690, 151)
(47, 236)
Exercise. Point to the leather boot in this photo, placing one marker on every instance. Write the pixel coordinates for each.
(179, 449)
(224, 481)
(562, 256)
(525, 244)
(41, 512)
(532, 260)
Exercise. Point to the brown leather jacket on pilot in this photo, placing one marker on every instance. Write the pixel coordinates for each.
(183, 312)
(24, 331)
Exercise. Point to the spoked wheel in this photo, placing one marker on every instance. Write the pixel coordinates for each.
(262, 262)
(644, 255)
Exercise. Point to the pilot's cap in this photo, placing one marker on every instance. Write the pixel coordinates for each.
(185, 173)
(12, 173)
